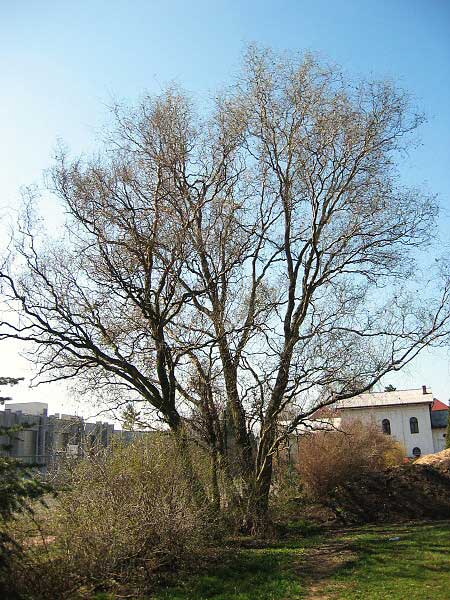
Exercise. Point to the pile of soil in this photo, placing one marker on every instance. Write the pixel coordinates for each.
(412, 491)
(440, 460)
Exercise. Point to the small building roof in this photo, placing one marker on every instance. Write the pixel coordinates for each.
(439, 414)
(438, 405)
(395, 398)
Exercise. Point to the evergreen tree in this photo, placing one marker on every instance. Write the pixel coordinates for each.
(19, 486)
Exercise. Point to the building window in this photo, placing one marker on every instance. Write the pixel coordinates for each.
(386, 426)
(417, 452)
(414, 425)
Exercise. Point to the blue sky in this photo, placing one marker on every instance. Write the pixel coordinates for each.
(62, 62)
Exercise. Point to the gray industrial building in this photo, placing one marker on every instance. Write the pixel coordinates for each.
(47, 438)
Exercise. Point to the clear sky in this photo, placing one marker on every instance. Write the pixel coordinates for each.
(62, 62)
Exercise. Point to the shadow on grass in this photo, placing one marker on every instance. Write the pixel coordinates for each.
(261, 573)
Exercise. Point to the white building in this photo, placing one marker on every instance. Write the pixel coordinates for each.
(439, 419)
(407, 415)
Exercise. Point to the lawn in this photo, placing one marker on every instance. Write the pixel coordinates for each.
(262, 573)
(415, 567)
(354, 564)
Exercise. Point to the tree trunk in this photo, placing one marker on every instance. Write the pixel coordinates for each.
(215, 480)
(184, 450)
(257, 507)
(256, 516)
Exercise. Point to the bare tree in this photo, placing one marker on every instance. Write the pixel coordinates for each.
(232, 269)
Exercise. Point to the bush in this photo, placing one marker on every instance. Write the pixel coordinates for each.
(127, 515)
(327, 459)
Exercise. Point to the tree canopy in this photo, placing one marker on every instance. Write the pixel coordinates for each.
(239, 268)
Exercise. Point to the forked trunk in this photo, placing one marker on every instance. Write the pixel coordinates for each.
(256, 517)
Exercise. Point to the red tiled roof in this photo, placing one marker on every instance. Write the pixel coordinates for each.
(438, 405)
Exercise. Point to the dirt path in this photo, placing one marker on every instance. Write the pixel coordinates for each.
(319, 563)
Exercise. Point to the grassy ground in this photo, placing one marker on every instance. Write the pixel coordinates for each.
(415, 567)
(257, 573)
(353, 564)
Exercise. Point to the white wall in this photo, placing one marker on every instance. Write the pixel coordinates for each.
(399, 418)
(439, 438)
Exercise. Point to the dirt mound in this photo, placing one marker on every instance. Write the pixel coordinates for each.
(439, 460)
(414, 491)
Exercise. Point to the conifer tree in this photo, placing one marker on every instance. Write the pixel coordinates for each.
(19, 485)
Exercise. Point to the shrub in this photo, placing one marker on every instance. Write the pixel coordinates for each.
(327, 459)
(127, 514)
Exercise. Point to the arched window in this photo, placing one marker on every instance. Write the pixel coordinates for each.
(417, 452)
(386, 426)
(414, 425)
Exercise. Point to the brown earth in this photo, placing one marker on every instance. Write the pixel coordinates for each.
(412, 491)
(320, 563)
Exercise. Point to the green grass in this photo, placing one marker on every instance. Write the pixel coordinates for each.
(417, 567)
(262, 573)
